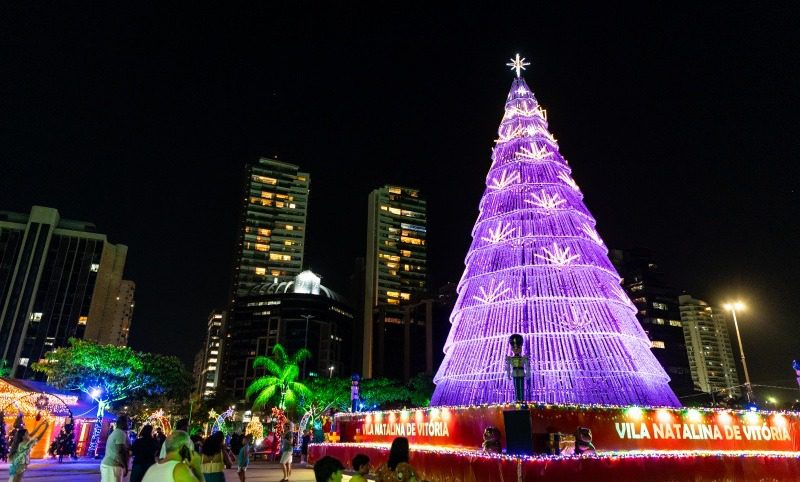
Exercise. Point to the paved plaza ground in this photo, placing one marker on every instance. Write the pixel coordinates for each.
(88, 471)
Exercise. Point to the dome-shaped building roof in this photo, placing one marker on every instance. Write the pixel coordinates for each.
(304, 283)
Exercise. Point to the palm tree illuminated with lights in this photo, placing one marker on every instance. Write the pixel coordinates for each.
(281, 376)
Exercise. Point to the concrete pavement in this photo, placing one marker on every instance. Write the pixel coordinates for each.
(85, 470)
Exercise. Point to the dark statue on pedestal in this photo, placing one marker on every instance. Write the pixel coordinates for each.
(518, 367)
(583, 441)
(491, 440)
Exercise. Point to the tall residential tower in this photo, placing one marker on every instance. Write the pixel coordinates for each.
(272, 228)
(709, 347)
(396, 271)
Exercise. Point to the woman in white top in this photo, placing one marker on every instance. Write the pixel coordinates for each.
(174, 466)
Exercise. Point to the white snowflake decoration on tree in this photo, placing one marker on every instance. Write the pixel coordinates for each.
(620, 294)
(550, 137)
(505, 180)
(510, 134)
(558, 256)
(523, 111)
(548, 202)
(592, 234)
(500, 233)
(533, 152)
(577, 319)
(568, 180)
(492, 292)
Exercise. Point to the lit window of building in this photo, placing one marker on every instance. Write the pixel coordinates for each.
(394, 275)
(269, 186)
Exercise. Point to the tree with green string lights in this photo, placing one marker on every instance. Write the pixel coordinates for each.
(280, 381)
(109, 374)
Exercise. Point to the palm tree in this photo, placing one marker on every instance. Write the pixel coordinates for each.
(282, 371)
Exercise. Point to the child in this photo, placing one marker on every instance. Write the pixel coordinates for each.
(361, 466)
(328, 469)
(21, 450)
(243, 460)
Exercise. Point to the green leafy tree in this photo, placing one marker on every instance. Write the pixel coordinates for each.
(282, 371)
(326, 394)
(421, 390)
(109, 373)
(384, 392)
(5, 369)
(377, 392)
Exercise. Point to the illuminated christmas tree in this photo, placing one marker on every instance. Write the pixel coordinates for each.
(538, 267)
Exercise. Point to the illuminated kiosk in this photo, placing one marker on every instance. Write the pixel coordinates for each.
(34, 399)
(538, 267)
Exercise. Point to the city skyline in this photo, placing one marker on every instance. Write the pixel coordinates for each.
(669, 124)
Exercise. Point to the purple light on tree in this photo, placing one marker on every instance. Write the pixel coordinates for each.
(538, 267)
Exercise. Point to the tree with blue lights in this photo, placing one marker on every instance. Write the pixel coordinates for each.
(109, 374)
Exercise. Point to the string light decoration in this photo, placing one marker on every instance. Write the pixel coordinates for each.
(538, 267)
(626, 454)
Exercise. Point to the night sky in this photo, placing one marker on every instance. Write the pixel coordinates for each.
(680, 124)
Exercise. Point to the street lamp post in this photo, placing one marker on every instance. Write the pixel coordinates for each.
(732, 307)
(330, 371)
(305, 344)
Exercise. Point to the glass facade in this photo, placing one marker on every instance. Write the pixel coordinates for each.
(272, 225)
(295, 317)
(396, 274)
(49, 269)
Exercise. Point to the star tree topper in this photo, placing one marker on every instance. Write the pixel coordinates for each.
(518, 64)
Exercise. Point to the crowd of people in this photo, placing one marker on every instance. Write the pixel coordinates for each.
(396, 469)
(180, 457)
(154, 457)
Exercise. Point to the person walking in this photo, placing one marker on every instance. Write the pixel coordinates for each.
(304, 441)
(243, 458)
(20, 453)
(286, 452)
(114, 465)
(213, 463)
(176, 464)
(144, 453)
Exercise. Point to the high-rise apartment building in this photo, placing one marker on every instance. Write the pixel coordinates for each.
(657, 312)
(709, 347)
(58, 279)
(209, 359)
(272, 225)
(396, 271)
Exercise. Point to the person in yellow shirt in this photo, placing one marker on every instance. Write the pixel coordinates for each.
(361, 466)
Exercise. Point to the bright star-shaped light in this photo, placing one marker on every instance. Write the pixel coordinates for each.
(518, 64)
